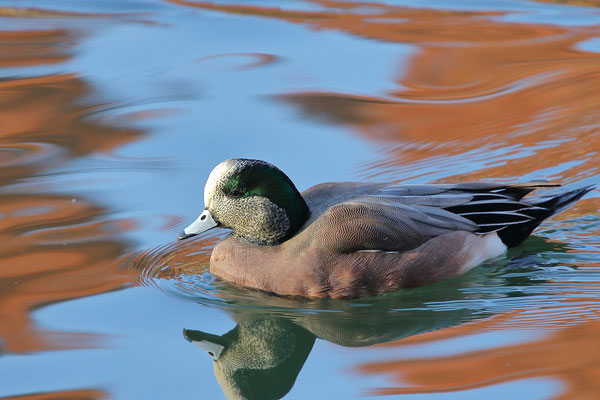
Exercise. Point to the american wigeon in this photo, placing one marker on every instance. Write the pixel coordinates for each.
(349, 240)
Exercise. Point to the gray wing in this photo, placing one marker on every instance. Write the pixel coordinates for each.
(401, 218)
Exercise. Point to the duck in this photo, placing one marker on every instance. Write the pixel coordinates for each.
(347, 240)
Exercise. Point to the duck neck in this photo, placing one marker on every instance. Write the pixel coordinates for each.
(297, 212)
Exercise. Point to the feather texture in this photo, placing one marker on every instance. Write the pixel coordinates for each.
(402, 217)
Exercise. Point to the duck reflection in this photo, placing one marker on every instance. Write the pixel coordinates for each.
(258, 359)
(262, 356)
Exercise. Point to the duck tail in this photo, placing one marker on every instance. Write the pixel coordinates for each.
(543, 206)
(560, 201)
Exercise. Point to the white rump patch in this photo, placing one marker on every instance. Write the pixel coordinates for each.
(480, 248)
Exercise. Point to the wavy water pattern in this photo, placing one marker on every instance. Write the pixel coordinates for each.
(113, 113)
(50, 241)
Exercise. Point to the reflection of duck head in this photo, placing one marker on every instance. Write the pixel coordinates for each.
(259, 359)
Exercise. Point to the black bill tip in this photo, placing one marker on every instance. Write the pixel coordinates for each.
(183, 235)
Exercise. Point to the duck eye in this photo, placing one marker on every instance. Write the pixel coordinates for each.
(235, 193)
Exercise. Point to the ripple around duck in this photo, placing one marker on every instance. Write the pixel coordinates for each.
(179, 269)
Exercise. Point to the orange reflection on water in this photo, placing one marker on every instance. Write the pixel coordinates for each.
(475, 82)
(26, 48)
(58, 253)
(45, 109)
(80, 394)
(569, 355)
(53, 247)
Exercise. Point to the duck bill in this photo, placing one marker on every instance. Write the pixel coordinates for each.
(203, 223)
(212, 344)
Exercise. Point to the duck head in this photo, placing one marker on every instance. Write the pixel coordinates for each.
(253, 198)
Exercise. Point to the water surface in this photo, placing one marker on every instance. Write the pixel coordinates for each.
(113, 113)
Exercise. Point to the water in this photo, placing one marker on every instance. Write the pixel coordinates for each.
(113, 113)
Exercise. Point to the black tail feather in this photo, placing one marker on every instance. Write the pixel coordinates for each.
(543, 207)
(561, 201)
